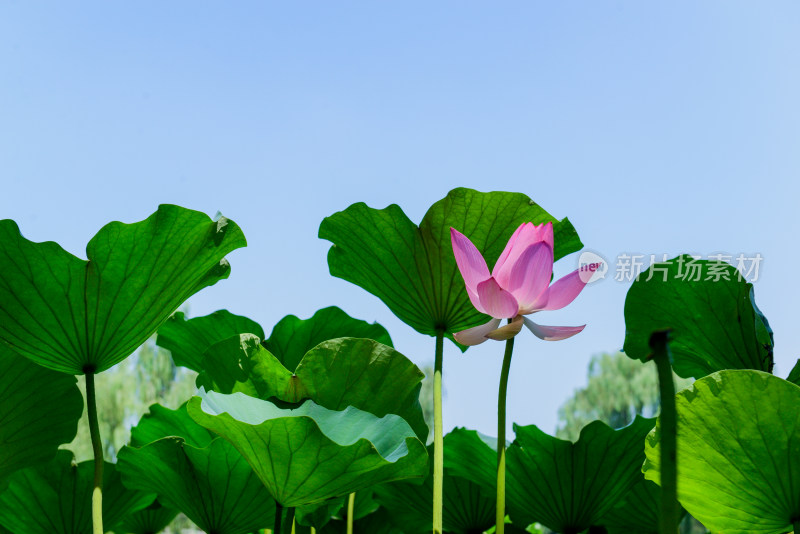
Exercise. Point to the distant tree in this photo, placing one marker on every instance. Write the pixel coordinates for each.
(618, 389)
(126, 391)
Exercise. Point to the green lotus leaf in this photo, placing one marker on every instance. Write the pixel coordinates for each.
(738, 452)
(55, 497)
(714, 323)
(39, 411)
(468, 507)
(79, 316)
(150, 520)
(195, 472)
(335, 374)
(366, 374)
(639, 511)
(412, 268)
(188, 340)
(568, 486)
(292, 337)
(308, 453)
(317, 515)
(473, 456)
(794, 374)
(364, 504)
(213, 485)
(513, 529)
(378, 522)
(161, 422)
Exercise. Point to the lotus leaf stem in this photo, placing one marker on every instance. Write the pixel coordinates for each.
(659, 343)
(97, 448)
(438, 440)
(351, 505)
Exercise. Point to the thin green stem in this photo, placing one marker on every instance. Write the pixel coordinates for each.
(351, 506)
(438, 440)
(501, 438)
(659, 343)
(290, 519)
(97, 448)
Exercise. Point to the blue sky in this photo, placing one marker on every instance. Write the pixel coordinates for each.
(656, 129)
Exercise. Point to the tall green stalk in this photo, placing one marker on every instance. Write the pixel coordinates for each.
(501, 439)
(351, 506)
(438, 439)
(659, 343)
(97, 449)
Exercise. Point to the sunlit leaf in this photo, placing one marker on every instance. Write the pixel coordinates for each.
(188, 340)
(75, 316)
(569, 486)
(738, 452)
(292, 337)
(412, 268)
(714, 323)
(55, 497)
(39, 410)
(196, 472)
(308, 453)
(335, 374)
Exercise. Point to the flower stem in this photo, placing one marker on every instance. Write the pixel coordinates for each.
(97, 448)
(501, 438)
(669, 431)
(438, 441)
(351, 505)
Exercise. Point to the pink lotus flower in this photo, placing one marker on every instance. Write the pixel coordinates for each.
(518, 285)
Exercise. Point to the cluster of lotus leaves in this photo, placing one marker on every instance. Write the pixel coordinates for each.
(325, 406)
(312, 417)
(738, 440)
